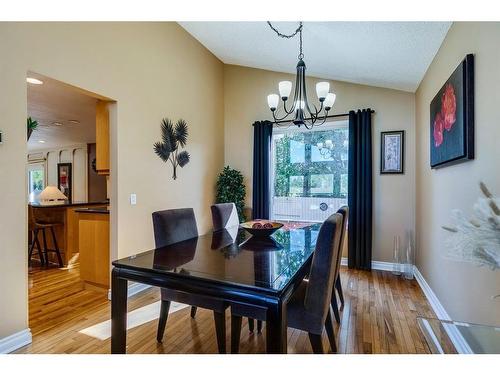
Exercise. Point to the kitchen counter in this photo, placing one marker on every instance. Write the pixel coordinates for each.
(93, 227)
(93, 210)
(66, 204)
(67, 234)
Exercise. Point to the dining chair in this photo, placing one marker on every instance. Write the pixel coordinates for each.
(177, 225)
(224, 215)
(309, 307)
(344, 211)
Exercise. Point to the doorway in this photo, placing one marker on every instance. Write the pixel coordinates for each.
(68, 197)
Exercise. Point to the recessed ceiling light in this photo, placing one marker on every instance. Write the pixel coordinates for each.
(34, 81)
(56, 123)
(74, 121)
(41, 141)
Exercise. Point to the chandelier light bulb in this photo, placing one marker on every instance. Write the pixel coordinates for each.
(285, 88)
(322, 89)
(329, 100)
(272, 101)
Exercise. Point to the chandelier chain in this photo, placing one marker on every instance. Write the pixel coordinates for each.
(289, 36)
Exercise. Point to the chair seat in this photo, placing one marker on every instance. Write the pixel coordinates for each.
(300, 318)
(40, 225)
(197, 300)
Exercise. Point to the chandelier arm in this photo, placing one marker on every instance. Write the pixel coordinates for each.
(276, 114)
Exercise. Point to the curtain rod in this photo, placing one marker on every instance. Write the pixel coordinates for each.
(331, 116)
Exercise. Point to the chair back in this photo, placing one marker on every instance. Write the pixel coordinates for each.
(176, 225)
(344, 211)
(224, 215)
(323, 268)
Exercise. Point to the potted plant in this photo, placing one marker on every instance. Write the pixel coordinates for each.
(231, 189)
(31, 125)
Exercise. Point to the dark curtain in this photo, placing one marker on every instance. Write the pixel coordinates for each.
(360, 189)
(262, 131)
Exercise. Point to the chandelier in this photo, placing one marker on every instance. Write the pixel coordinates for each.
(303, 113)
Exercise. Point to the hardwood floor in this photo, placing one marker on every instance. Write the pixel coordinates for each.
(379, 316)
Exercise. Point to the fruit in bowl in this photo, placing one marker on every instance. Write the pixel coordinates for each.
(261, 227)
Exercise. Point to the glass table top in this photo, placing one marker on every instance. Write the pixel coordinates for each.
(450, 337)
(234, 256)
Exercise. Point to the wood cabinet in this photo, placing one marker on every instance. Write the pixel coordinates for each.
(94, 248)
(102, 137)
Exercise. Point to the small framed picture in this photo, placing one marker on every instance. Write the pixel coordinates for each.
(64, 179)
(392, 151)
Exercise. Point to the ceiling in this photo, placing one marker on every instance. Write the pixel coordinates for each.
(384, 54)
(56, 102)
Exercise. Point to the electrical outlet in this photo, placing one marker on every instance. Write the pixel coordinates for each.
(133, 199)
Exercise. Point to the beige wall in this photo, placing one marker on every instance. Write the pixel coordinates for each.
(245, 93)
(152, 70)
(464, 289)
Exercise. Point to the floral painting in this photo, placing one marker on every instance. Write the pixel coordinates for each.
(452, 118)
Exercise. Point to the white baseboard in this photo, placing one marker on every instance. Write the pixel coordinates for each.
(453, 332)
(133, 289)
(15, 341)
(376, 265)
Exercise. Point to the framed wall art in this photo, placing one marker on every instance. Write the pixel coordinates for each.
(392, 152)
(452, 118)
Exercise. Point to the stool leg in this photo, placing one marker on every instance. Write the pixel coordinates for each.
(45, 248)
(58, 253)
(32, 246)
(40, 253)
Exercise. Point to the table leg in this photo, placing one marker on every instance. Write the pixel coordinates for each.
(118, 313)
(276, 326)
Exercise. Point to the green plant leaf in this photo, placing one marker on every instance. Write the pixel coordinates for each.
(230, 188)
(31, 124)
(183, 158)
(181, 132)
(162, 150)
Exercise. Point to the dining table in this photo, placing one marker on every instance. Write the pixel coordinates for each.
(258, 272)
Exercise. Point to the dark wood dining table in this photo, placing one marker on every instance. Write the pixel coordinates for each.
(261, 273)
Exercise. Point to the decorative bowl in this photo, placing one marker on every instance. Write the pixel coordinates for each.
(261, 228)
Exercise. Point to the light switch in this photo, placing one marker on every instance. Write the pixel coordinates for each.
(133, 199)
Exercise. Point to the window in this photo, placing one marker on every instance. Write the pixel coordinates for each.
(36, 180)
(322, 184)
(308, 182)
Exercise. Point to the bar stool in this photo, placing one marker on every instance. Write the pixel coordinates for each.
(40, 225)
(34, 238)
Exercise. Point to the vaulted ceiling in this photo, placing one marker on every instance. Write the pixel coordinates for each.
(385, 54)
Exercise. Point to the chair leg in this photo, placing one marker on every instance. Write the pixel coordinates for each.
(235, 333)
(316, 343)
(193, 311)
(335, 308)
(56, 247)
(250, 325)
(338, 286)
(162, 322)
(330, 332)
(259, 326)
(220, 330)
(45, 247)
